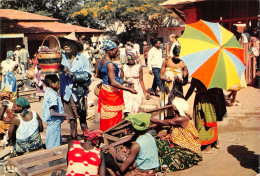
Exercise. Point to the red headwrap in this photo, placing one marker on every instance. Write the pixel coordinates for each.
(93, 135)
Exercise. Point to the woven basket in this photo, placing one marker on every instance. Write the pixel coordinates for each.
(97, 88)
(235, 87)
(50, 61)
(148, 105)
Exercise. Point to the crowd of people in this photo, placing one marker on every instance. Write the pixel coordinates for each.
(179, 139)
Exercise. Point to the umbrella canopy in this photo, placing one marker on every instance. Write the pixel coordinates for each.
(212, 54)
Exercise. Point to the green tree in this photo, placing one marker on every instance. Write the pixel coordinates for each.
(60, 9)
(147, 15)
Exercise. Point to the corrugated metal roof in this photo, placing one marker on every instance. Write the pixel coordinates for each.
(178, 3)
(11, 14)
(29, 23)
(44, 27)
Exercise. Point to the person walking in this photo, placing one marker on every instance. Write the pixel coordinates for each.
(146, 49)
(17, 58)
(24, 59)
(155, 61)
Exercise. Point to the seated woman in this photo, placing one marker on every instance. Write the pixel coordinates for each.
(132, 74)
(143, 151)
(181, 148)
(84, 158)
(6, 115)
(26, 126)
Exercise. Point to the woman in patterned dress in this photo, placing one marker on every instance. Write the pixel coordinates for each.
(204, 115)
(111, 101)
(174, 76)
(85, 158)
(133, 75)
(180, 149)
(7, 68)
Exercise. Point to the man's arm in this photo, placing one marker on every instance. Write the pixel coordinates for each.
(191, 89)
(40, 123)
(149, 61)
(54, 113)
(102, 167)
(134, 150)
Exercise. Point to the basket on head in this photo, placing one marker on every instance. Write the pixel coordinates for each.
(50, 61)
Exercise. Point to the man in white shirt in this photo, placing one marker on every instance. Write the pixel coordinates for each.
(155, 61)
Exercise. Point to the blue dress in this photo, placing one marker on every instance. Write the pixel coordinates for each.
(104, 72)
(53, 132)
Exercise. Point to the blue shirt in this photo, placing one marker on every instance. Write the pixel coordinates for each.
(80, 63)
(147, 158)
(51, 98)
(104, 72)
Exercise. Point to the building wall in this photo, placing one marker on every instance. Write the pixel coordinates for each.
(164, 34)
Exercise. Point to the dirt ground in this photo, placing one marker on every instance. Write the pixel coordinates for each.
(238, 134)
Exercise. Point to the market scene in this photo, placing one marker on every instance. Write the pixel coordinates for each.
(134, 88)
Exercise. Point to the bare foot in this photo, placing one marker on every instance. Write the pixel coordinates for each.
(217, 144)
(207, 150)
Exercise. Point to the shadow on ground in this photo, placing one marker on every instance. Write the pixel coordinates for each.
(66, 138)
(248, 159)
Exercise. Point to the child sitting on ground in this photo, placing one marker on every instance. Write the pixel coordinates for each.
(52, 112)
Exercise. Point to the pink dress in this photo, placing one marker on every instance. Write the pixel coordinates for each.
(83, 162)
(133, 101)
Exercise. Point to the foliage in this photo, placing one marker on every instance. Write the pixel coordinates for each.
(147, 15)
(60, 9)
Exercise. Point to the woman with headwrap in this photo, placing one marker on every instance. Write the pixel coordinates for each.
(111, 101)
(174, 76)
(85, 158)
(8, 67)
(26, 126)
(132, 74)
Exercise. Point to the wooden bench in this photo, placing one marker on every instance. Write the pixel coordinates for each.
(40, 163)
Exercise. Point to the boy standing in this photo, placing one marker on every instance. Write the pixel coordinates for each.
(52, 112)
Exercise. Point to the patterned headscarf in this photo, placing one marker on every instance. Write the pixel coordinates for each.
(130, 55)
(24, 103)
(93, 135)
(108, 45)
(10, 54)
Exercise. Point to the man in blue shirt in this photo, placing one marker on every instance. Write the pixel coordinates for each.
(74, 82)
